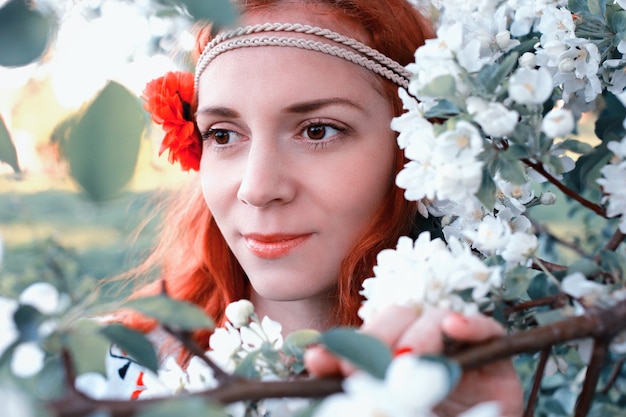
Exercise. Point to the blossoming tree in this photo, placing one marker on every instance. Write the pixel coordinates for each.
(493, 113)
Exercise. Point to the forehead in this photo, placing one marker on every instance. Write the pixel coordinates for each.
(270, 74)
(276, 70)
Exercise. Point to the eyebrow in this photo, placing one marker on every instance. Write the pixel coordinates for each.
(298, 108)
(218, 111)
(313, 105)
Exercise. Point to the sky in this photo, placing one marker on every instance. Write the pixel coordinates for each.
(113, 42)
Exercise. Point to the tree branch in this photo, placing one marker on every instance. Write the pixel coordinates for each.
(596, 323)
(598, 358)
(534, 391)
(537, 166)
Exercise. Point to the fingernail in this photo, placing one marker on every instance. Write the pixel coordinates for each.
(403, 350)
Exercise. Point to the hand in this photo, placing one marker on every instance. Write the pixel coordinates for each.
(405, 329)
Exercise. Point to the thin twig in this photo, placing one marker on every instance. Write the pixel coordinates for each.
(598, 358)
(548, 267)
(534, 391)
(613, 377)
(617, 238)
(222, 377)
(596, 208)
(554, 301)
(540, 228)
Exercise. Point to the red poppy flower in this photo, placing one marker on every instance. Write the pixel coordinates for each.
(168, 100)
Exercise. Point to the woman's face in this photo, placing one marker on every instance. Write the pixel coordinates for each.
(297, 158)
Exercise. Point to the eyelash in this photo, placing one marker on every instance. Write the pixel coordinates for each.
(319, 144)
(322, 143)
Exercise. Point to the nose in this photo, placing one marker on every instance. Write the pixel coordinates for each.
(267, 179)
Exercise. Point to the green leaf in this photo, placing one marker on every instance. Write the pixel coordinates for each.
(550, 316)
(576, 146)
(597, 7)
(515, 151)
(587, 169)
(443, 86)
(24, 34)
(176, 313)
(295, 343)
(191, 406)
(364, 351)
(609, 124)
(219, 12)
(443, 109)
(487, 192)
(103, 146)
(134, 343)
(491, 76)
(577, 6)
(27, 320)
(618, 21)
(585, 266)
(611, 263)
(541, 286)
(8, 154)
(88, 348)
(247, 367)
(512, 171)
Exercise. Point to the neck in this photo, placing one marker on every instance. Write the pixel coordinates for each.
(295, 315)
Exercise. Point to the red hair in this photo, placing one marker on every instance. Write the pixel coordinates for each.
(195, 261)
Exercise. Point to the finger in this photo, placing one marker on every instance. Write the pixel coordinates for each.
(320, 362)
(474, 328)
(424, 335)
(391, 323)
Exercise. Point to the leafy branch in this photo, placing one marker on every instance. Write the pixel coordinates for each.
(601, 324)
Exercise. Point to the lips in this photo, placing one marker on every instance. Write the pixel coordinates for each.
(275, 245)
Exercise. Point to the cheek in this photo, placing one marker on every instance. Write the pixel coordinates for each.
(214, 185)
(364, 186)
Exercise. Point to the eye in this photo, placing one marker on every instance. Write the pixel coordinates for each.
(320, 131)
(221, 136)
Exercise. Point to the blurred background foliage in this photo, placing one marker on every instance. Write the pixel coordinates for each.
(80, 178)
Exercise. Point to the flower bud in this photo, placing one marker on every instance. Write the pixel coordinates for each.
(527, 60)
(239, 312)
(503, 38)
(547, 198)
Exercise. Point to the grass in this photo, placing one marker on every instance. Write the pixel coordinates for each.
(51, 230)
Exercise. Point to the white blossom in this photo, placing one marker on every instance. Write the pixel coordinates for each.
(27, 360)
(412, 387)
(520, 247)
(558, 123)
(239, 312)
(424, 273)
(578, 286)
(547, 198)
(530, 86)
(556, 23)
(492, 234)
(15, 403)
(612, 182)
(494, 118)
(254, 335)
(43, 296)
(224, 343)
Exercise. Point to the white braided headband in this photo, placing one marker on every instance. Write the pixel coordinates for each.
(357, 53)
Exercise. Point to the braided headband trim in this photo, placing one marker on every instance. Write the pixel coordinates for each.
(358, 53)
